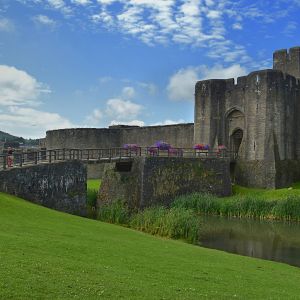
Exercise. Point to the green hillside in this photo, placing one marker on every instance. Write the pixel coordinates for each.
(10, 138)
(45, 254)
(6, 137)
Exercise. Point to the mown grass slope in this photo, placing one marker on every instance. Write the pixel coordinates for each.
(45, 254)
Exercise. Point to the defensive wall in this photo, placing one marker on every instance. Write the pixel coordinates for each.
(287, 61)
(258, 118)
(147, 181)
(179, 135)
(60, 186)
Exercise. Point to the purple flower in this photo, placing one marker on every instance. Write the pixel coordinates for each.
(162, 145)
(201, 147)
(130, 146)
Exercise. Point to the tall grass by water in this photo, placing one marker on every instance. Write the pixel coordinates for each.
(115, 212)
(175, 223)
(249, 206)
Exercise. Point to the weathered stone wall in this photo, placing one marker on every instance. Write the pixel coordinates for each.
(267, 174)
(60, 186)
(287, 61)
(124, 186)
(158, 180)
(97, 169)
(180, 135)
(265, 105)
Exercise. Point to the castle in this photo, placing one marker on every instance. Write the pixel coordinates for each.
(257, 119)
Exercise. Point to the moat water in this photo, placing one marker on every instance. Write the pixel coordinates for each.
(276, 241)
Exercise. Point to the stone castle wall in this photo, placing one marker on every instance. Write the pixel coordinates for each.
(60, 186)
(287, 61)
(159, 180)
(265, 106)
(180, 135)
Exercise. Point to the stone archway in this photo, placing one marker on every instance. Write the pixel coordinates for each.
(236, 140)
(235, 124)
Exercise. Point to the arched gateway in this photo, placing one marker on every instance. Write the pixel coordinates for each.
(235, 124)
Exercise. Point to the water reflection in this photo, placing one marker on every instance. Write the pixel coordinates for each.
(276, 241)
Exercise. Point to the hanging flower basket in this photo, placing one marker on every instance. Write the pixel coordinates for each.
(201, 147)
(131, 148)
(162, 145)
(152, 150)
(222, 147)
(178, 152)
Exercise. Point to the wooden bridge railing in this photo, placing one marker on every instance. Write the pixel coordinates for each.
(33, 157)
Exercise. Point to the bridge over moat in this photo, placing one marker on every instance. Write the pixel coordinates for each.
(105, 155)
(142, 178)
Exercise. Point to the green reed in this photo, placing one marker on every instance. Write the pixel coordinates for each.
(249, 206)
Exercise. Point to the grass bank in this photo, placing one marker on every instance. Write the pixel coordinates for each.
(281, 204)
(46, 254)
(174, 223)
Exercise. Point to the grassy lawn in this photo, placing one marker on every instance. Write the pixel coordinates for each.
(93, 184)
(46, 254)
(294, 190)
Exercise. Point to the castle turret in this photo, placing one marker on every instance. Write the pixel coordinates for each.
(287, 61)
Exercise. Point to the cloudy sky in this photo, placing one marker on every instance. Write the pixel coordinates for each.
(79, 63)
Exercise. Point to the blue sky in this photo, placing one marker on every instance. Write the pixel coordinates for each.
(93, 63)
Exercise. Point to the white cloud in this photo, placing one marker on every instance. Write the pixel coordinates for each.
(169, 122)
(227, 51)
(128, 92)
(57, 3)
(150, 87)
(237, 26)
(6, 25)
(182, 83)
(120, 109)
(29, 122)
(61, 6)
(81, 2)
(45, 20)
(94, 118)
(19, 93)
(130, 123)
(196, 23)
(105, 79)
(18, 87)
(290, 28)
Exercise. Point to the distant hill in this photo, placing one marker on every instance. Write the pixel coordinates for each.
(6, 137)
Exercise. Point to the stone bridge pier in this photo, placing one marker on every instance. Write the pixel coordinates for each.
(146, 181)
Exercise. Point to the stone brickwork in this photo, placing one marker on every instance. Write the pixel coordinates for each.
(287, 61)
(60, 186)
(256, 118)
(180, 135)
(97, 169)
(158, 180)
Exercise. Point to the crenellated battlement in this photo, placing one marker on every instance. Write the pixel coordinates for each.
(257, 118)
(287, 61)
